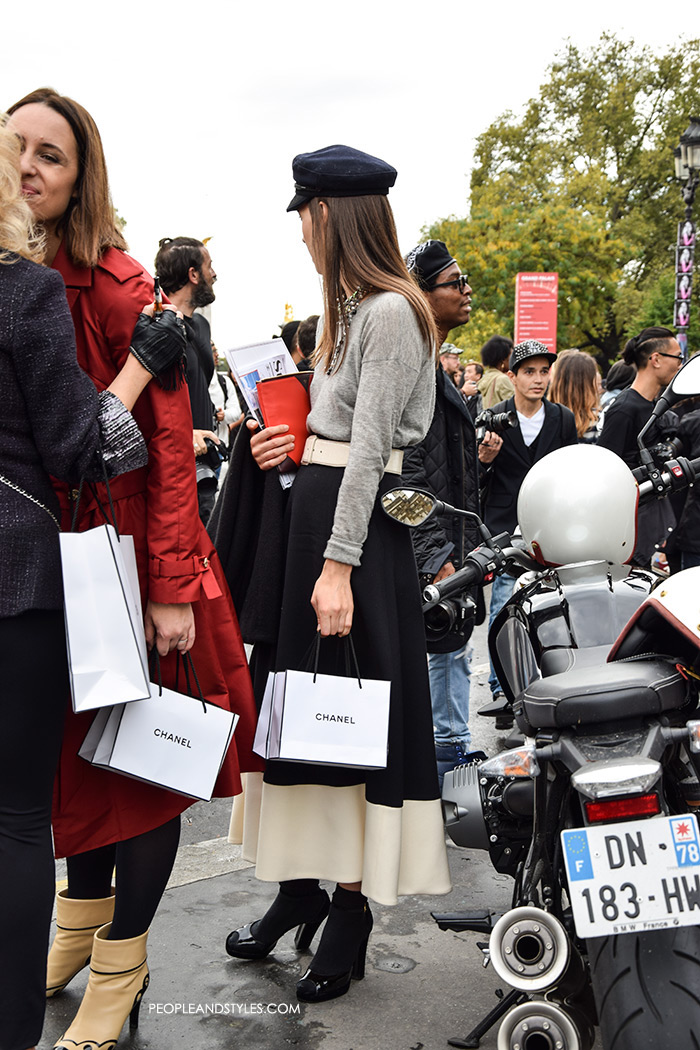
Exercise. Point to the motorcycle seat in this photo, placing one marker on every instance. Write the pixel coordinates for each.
(557, 661)
(602, 693)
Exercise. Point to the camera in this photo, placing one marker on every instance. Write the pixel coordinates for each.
(450, 616)
(495, 422)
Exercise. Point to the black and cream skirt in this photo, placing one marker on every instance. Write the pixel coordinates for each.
(382, 828)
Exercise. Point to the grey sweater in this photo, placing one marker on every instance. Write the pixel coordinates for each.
(382, 397)
(52, 422)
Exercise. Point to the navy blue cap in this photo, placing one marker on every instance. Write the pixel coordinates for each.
(339, 171)
(428, 260)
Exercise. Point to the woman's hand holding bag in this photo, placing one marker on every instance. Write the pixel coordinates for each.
(332, 599)
(169, 627)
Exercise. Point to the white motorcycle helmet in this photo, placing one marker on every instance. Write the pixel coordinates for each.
(667, 622)
(579, 503)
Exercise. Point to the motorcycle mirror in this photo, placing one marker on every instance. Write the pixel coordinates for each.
(412, 507)
(685, 383)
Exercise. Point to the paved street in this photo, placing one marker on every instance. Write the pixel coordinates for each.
(422, 986)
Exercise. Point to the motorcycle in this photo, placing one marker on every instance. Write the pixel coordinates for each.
(594, 816)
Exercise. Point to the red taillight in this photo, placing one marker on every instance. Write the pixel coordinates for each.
(620, 808)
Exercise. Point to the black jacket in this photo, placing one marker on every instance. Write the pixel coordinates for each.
(445, 463)
(687, 534)
(507, 472)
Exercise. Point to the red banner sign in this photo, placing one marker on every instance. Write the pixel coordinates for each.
(536, 302)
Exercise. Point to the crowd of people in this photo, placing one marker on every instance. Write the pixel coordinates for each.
(103, 384)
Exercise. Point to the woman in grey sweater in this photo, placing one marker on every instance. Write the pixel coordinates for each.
(52, 421)
(377, 834)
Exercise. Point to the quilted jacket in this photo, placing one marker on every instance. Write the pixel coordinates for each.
(445, 463)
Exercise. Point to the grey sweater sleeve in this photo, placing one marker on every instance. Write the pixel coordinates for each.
(393, 407)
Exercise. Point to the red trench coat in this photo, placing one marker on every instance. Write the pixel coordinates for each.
(157, 505)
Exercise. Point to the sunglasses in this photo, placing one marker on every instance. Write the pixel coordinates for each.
(460, 282)
(676, 357)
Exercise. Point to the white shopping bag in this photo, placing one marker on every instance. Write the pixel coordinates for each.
(172, 740)
(104, 623)
(325, 719)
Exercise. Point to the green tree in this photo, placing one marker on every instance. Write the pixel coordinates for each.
(581, 184)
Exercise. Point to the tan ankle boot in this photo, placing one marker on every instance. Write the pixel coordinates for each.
(118, 979)
(77, 921)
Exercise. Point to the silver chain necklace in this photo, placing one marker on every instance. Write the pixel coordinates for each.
(33, 499)
(346, 311)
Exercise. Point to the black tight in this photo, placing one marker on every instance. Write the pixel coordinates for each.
(33, 694)
(143, 864)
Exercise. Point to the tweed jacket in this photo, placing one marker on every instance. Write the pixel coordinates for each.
(51, 423)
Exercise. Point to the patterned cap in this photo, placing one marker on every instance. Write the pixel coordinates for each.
(530, 348)
(427, 260)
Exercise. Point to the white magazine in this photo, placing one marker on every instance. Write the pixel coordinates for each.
(250, 364)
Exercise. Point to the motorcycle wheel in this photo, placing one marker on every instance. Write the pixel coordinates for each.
(647, 989)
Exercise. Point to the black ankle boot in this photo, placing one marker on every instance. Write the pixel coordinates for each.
(257, 939)
(342, 949)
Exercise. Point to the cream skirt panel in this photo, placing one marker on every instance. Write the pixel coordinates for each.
(310, 831)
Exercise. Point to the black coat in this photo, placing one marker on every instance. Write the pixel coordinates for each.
(445, 463)
(507, 472)
(247, 529)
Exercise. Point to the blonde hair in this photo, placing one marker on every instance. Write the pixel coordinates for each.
(575, 385)
(358, 247)
(18, 234)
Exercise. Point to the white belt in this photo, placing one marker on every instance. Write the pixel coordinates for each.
(336, 453)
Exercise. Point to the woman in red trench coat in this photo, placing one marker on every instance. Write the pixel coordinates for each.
(102, 819)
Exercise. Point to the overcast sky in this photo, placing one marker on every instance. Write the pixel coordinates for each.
(202, 107)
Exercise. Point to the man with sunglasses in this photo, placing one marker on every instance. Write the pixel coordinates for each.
(446, 464)
(657, 356)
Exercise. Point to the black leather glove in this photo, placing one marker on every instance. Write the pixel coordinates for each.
(158, 343)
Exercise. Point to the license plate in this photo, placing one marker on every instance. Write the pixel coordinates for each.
(633, 876)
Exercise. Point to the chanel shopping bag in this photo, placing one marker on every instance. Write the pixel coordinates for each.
(104, 622)
(174, 740)
(329, 720)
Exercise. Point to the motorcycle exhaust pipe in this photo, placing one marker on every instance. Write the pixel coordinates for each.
(529, 949)
(541, 1025)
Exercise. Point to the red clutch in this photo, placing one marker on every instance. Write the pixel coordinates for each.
(285, 399)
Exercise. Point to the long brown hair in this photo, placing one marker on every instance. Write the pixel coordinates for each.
(575, 385)
(89, 225)
(358, 247)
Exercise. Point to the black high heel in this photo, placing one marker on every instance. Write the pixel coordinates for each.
(342, 928)
(286, 912)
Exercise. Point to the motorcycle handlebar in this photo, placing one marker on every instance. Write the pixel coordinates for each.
(479, 564)
(679, 474)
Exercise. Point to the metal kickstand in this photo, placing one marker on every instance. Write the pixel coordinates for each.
(473, 1039)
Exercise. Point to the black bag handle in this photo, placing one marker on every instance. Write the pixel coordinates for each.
(93, 493)
(187, 666)
(352, 669)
